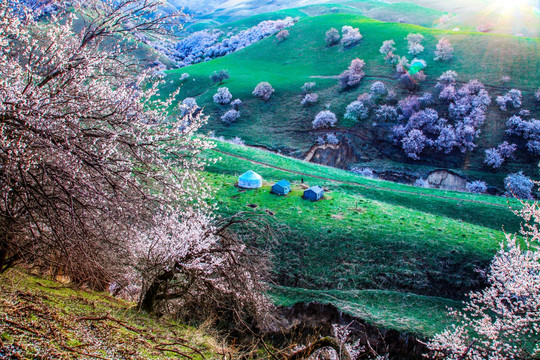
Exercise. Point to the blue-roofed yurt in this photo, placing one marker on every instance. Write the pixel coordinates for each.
(250, 180)
(314, 193)
(282, 187)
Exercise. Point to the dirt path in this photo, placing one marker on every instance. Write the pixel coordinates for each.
(357, 184)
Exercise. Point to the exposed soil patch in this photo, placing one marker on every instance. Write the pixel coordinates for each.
(307, 322)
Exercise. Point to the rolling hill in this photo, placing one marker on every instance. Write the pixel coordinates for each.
(393, 254)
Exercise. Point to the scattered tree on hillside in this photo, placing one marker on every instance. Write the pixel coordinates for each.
(415, 48)
(324, 119)
(387, 49)
(332, 37)
(184, 76)
(510, 100)
(351, 36)
(505, 79)
(444, 50)
(230, 116)
(282, 35)
(352, 76)
(218, 77)
(518, 185)
(237, 104)
(310, 99)
(307, 87)
(357, 110)
(402, 64)
(84, 160)
(386, 114)
(502, 320)
(223, 96)
(537, 95)
(263, 90)
(495, 157)
(414, 41)
(476, 187)
(378, 90)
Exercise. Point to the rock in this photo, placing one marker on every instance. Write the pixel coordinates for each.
(447, 180)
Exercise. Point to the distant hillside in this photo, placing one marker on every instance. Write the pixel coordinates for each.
(463, 14)
(283, 124)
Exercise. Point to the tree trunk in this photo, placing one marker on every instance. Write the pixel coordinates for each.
(7, 261)
(330, 342)
(148, 301)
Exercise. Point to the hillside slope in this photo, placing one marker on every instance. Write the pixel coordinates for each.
(43, 319)
(370, 247)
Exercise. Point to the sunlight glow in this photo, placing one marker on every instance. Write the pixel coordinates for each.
(508, 6)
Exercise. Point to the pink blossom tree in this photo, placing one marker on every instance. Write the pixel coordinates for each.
(503, 320)
(87, 150)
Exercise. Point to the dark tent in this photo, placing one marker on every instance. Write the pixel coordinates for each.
(314, 193)
(282, 187)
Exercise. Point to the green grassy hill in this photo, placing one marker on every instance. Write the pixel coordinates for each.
(283, 124)
(373, 248)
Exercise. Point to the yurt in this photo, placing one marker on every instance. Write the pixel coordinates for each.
(250, 180)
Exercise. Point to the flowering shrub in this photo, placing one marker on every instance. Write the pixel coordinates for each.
(263, 90)
(414, 41)
(230, 116)
(511, 100)
(332, 37)
(357, 110)
(444, 50)
(518, 185)
(223, 96)
(219, 76)
(495, 157)
(324, 119)
(351, 36)
(477, 187)
(237, 104)
(310, 99)
(353, 75)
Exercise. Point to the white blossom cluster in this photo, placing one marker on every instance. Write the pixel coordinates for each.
(208, 44)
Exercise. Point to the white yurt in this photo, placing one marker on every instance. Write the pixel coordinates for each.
(250, 180)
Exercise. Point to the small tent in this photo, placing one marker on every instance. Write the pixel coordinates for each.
(250, 180)
(282, 187)
(314, 193)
